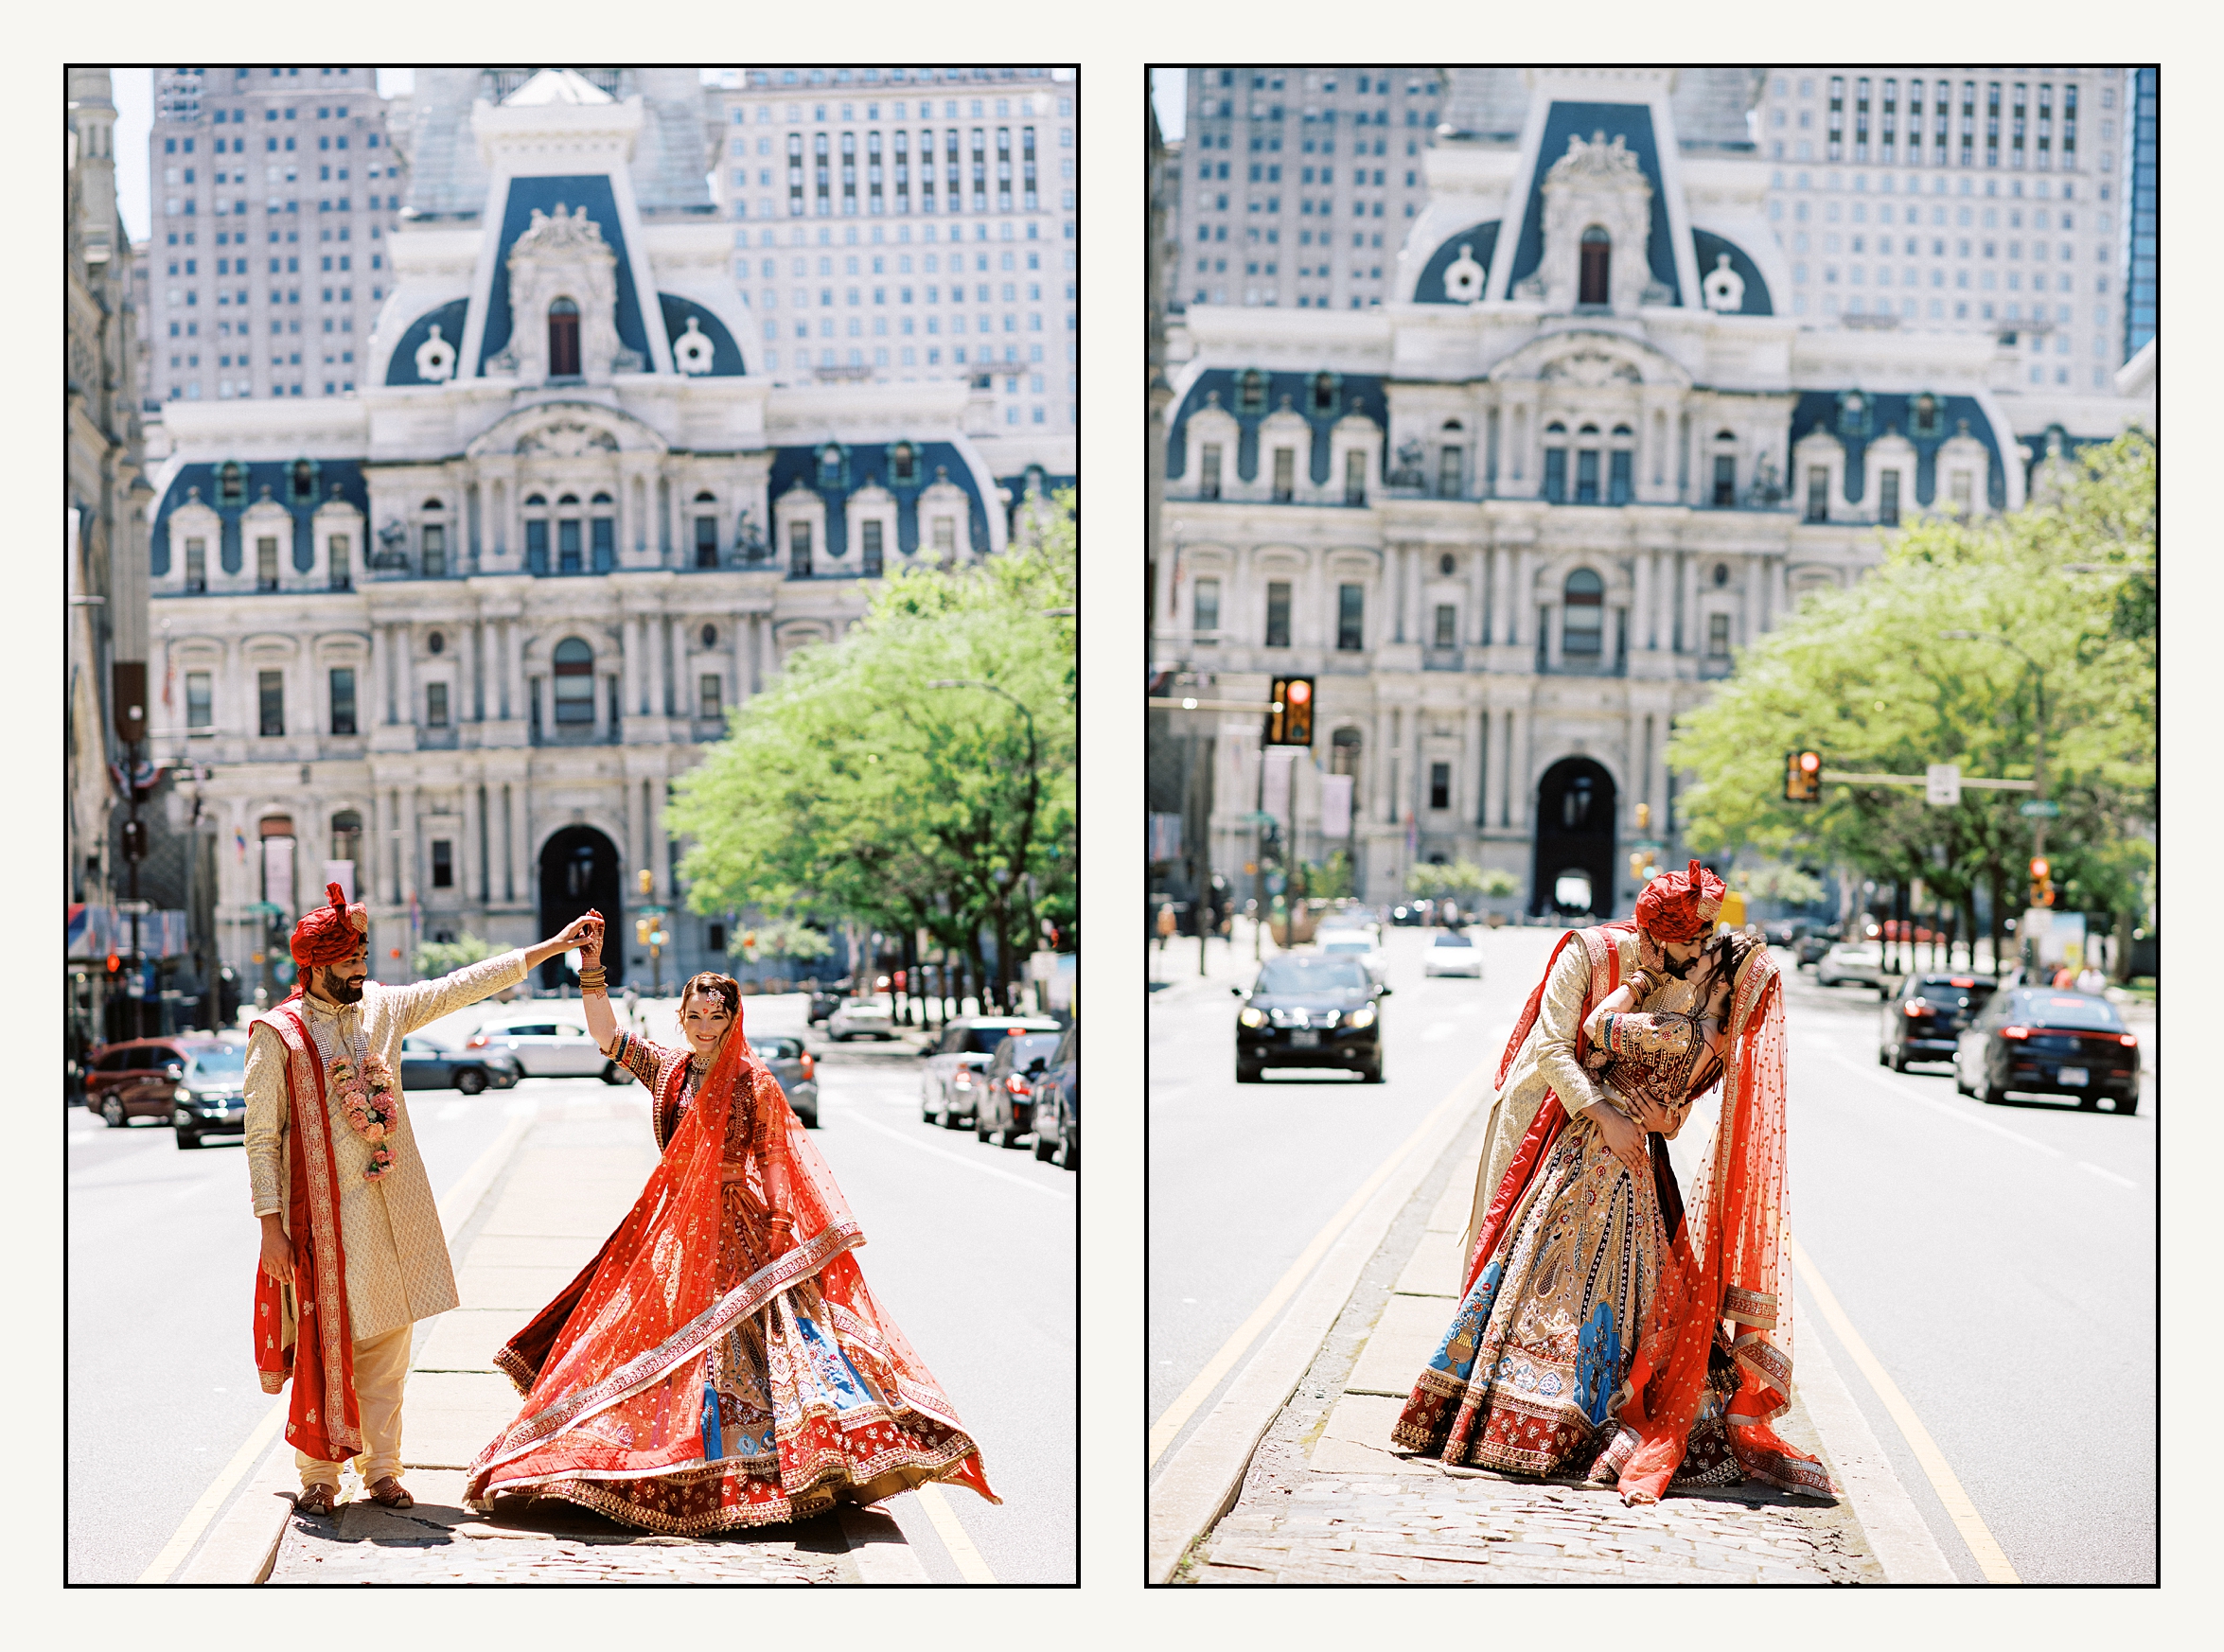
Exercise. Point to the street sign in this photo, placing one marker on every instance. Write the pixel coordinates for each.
(1942, 784)
(2045, 809)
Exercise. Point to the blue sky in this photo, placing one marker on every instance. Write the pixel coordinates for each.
(1169, 96)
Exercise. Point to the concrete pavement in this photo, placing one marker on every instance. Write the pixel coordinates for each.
(1325, 1499)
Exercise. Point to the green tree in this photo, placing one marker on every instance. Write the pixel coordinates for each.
(1867, 677)
(851, 790)
(1457, 878)
(783, 938)
(439, 958)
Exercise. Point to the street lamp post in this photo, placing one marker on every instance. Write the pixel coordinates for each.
(2037, 751)
(1034, 783)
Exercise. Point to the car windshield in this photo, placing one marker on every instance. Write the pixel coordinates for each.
(219, 1066)
(983, 1040)
(1019, 1051)
(1454, 940)
(875, 1002)
(1358, 943)
(2067, 1010)
(1312, 974)
(1956, 992)
(777, 1049)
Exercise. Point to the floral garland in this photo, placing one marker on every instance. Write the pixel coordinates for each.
(367, 1098)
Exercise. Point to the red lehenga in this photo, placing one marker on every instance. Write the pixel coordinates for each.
(721, 1363)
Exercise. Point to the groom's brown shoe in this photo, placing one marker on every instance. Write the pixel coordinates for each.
(391, 1493)
(316, 1499)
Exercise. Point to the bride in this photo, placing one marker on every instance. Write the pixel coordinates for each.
(720, 1362)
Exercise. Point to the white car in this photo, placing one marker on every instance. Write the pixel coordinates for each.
(1354, 944)
(550, 1041)
(1452, 953)
(1851, 962)
(869, 1017)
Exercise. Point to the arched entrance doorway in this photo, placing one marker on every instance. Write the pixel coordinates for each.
(1575, 840)
(578, 869)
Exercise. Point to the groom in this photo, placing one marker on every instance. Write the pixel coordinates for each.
(352, 1249)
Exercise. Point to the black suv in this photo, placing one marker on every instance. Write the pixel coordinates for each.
(1310, 1009)
(1924, 1020)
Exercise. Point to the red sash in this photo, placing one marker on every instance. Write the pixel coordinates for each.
(1606, 968)
(322, 1420)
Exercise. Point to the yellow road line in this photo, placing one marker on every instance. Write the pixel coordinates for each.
(971, 1567)
(1172, 1421)
(1990, 1559)
(219, 1491)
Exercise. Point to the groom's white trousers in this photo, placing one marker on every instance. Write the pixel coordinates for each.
(381, 1364)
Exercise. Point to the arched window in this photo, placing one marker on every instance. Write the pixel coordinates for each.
(706, 530)
(230, 483)
(563, 339)
(433, 538)
(1621, 480)
(1584, 618)
(1598, 254)
(574, 669)
(536, 534)
(830, 466)
(347, 840)
(1587, 464)
(1725, 468)
(303, 481)
(569, 555)
(1251, 392)
(904, 466)
(1324, 393)
(1556, 462)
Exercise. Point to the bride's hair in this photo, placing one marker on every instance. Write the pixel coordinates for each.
(713, 985)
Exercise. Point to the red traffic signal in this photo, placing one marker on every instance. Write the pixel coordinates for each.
(2039, 870)
(1803, 776)
(114, 963)
(1291, 723)
(2041, 882)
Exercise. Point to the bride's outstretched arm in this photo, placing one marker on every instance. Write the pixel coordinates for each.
(600, 1025)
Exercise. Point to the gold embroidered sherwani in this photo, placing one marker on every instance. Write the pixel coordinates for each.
(1545, 1061)
(397, 1264)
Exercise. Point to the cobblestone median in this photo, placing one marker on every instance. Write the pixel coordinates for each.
(1329, 1500)
(540, 1542)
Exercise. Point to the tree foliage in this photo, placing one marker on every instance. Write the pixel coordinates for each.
(434, 958)
(1459, 877)
(784, 938)
(1866, 677)
(851, 790)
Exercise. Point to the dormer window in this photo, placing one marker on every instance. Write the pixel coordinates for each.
(904, 466)
(830, 466)
(1927, 418)
(303, 480)
(1251, 392)
(1324, 393)
(563, 339)
(1596, 255)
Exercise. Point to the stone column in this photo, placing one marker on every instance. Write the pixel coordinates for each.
(659, 846)
(1525, 595)
(1688, 619)
(478, 633)
(381, 708)
(629, 661)
(471, 873)
(1482, 772)
(510, 858)
(1477, 628)
(735, 625)
(405, 690)
(1641, 603)
(1416, 575)
(518, 802)
(1518, 782)
(1779, 598)
(412, 850)
(373, 865)
(1751, 581)
(516, 668)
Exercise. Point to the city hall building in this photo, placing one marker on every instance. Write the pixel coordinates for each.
(1518, 518)
(450, 639)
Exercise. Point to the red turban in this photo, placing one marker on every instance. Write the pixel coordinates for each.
(1679, 907)
(330, 934)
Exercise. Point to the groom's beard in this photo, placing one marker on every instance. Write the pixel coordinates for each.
(341, 989)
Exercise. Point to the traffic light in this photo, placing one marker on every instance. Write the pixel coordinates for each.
(135, 840)
(2041, 882)
(1803, 776)
(641, 929)
(1293, 724)
(647, 880)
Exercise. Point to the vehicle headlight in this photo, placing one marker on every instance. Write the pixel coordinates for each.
(1250, 1017)
(184, 1097)
(1363, 1016)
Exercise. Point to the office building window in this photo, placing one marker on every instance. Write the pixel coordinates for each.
(1717, 635)
(443, 864)
(343, 682)
(1447, 625)
(710, 692)
(1725, 479)
(436, 551)
(197, 564)
(870, 536)
(1205, 610)
(1285, 474)
(1583, 614)
(1450, 473)
(270, 692)
(200, 709)
(1618, 483)
(1439, 785)
(536, 544)
(574, 669)
(1355, 478)
(798, 550)
(563, 340)
(266, 564)
(1208, 471)
(706, 541)
(1818, 493)
(1351, 613)
(568, 543)
(435, 705)
(1556, 473)
(606, 543)
(1277, 613)
(1586, 476)
(336, 553)
(1888, 498)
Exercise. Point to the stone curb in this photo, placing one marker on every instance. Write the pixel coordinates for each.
(1201, 1481)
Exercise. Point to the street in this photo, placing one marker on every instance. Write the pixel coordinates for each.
(163, 1251)
(1997, 1261)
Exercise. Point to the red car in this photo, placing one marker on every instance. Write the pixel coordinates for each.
(195, 1082)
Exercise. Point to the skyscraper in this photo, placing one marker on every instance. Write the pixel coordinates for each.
(1299, 185)
(2139, 309)
(899, 225)
(1956, 201)
(272, 193)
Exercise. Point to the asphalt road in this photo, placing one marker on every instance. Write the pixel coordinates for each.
(970, 1249)
(1241, 1176)
(1998, 1261)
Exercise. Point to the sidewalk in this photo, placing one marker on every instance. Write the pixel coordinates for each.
(575, 1171)
(1172, 968)
(1329, 1500)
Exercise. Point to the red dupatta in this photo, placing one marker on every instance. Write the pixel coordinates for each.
(322, 1419)
(617, 1364)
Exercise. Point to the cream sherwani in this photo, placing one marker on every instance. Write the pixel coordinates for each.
(1545, 1061)
(398, 1265)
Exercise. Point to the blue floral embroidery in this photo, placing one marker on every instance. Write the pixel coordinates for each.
(1598, 1362)
(1455, 1354)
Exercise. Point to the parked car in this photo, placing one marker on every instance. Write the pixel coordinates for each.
(873, 1016)
(1354, 944)
(1810, 946)
(1057, 1103)
(1924, 1020)
(548, 1043)
(1851, 962)
(965, 1045)
(2039, 1042)
(427, 1065)
(1005, 1105)
(1308, 1010)
(141, 1078)
(1452, 953)
(211, 1094)
(823, 1001)
(790, 1062)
